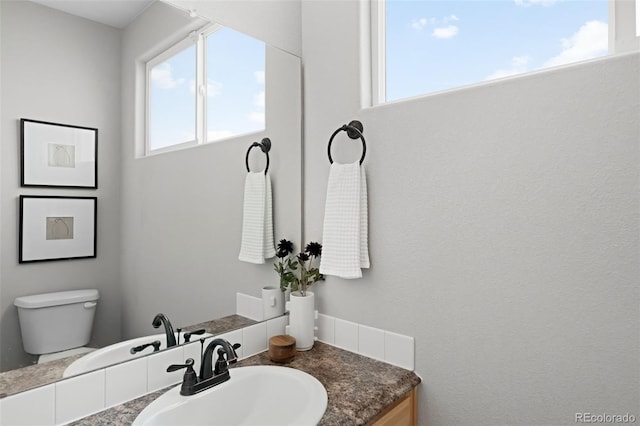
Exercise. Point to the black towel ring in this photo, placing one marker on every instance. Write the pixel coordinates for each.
(265, 146)
(354, 130)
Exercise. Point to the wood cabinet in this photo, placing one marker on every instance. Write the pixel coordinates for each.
(403, 412)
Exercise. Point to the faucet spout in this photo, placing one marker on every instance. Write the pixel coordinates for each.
(206, 367)
(161, 319)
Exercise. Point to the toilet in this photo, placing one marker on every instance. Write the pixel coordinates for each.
(56, 325)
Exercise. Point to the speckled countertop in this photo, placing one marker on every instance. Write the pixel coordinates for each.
(221, 325)
(359, 388)
(33, 376)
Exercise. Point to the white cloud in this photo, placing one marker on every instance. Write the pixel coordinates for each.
(527, 3)
(162, 76)
(419, 24)
(518, 66)
(445, 32)
(257, 116)
(259, 99)
(590, 41)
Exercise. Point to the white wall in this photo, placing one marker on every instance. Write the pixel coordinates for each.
(277, 22)
(504, 230)
(182, 210)
(64, 69)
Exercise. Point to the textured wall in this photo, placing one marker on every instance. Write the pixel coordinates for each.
(504, 230)
(64, 69)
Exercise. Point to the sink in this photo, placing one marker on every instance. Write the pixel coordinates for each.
(256, 395)
(119, 352)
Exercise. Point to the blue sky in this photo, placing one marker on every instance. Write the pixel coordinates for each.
(235, 90)
(436, 45)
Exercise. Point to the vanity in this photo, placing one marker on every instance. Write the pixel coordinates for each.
(361, 390)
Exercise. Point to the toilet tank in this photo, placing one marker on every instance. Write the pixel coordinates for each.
(53, 322)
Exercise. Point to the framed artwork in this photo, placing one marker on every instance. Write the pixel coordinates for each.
(58, 155)
(57, 228)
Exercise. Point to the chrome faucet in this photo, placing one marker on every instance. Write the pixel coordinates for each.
(210, 376)
(161, 319)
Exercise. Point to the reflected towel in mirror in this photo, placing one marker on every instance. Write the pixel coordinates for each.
(257, 219)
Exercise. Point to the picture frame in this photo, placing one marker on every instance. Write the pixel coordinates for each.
(57, 228)
(58, 155)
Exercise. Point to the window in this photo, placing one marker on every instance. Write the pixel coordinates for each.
(422, 47)
(208, 87)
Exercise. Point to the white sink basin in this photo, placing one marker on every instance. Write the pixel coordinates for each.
(119, 352)
(257, 395)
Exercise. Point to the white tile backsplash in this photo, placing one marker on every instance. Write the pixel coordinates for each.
(346, 335)
(399, 350)
(80, 396)
(254, 339)
(371, 342)
(249, 306)
(33, 407)
(276, 327)
(194, 350)
(125, 381)
(326, 328)
(157, 364)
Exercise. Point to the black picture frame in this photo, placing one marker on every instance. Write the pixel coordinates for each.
(57, 228)
(55, 155)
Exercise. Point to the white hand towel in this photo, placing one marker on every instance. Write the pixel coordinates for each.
(257, 219)
(345, 248)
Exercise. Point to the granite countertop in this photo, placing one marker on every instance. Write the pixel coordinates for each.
(222, 325)
(359, 388)
(33, 376)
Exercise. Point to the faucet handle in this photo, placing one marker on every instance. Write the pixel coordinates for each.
(189, 380)
(235, 355)
(188, 364)
(187, 335)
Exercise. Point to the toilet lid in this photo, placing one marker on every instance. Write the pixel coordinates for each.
(56, 299)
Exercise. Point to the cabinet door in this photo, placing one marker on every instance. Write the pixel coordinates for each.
(402, 413)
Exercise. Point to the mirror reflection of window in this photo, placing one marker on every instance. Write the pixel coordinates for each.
(235, 84)
(172, 99)
(229, 78)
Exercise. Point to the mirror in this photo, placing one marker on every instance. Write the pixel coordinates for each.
(180, 212)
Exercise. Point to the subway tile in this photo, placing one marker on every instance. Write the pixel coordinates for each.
(157, 376)
(346, 335)
(33, 407)
(254, 339)
(80, 396)
(399, 350)
(249, 306)
(276, 326)
(326, 328)
(125, 381)
(194, 350)
(371, 342)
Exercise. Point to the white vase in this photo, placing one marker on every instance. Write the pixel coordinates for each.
(302, 315)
